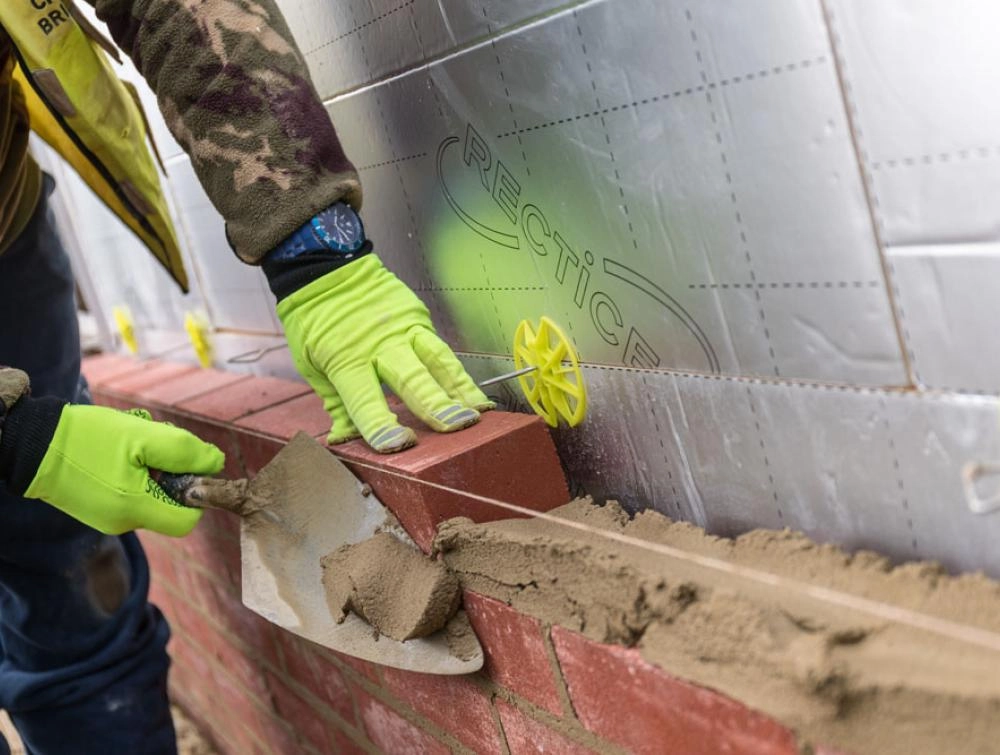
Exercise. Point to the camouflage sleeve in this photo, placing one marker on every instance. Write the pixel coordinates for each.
(236, 94)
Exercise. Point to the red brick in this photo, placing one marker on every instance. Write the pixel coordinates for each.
(187, 685)
(247, 723)
(305, 664)
(188, 666)
(216, 551)
(235, 738)
(189, 624)
(237, 723)
(219, 706)
(192, 687)
(163, 590)
(102, 367)
(188, 385)
(222, 708)
(526, 736)
(240, 622)
(192, 585)
(514, 651)
(509, 457)
(256, 451)
(306, 723)
(160, 557)
(365, 668)
(622, 698)
(452, 702)
(222, 523)
(344, 744)
(391, 732)
(243, 398)
(112, 401)
(161, 598)
(152, 373)
(186, 702)
(283, 421)
(238, 720)
(223, 606)
(220, 649)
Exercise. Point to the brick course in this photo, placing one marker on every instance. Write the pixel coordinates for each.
(492, 459)
(390, 732)
(514, 650)
(622, 698)
(456, 704)
(527, 736)
(255, 688)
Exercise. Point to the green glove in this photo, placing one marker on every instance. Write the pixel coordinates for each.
(359, 326)
(96, 469)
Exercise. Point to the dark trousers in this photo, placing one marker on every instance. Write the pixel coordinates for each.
(83, 663)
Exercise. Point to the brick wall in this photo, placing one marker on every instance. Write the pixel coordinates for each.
(255, 688)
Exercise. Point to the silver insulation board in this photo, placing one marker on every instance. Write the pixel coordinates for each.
(859, 467)
(768, 227)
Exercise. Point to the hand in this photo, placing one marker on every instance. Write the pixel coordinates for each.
(359, 326)
(97, 466)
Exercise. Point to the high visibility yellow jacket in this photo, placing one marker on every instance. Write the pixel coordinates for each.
(77, 104)
(234, 90)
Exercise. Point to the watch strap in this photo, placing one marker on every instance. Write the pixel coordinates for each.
(301, 242)
(286, 276)
(311, 237)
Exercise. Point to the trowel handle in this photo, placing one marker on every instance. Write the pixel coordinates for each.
(198, 492)
(177, 486)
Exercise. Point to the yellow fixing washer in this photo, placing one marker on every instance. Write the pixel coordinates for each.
(126, 328)
(555, 387)
(197, 330)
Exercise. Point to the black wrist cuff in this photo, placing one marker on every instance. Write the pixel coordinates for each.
(285, 277)
(27, 432)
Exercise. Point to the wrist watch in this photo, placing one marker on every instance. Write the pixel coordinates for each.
(336, 229)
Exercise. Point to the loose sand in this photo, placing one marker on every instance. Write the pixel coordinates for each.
(838, 676)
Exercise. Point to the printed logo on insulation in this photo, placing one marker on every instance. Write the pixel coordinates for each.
(476, 184)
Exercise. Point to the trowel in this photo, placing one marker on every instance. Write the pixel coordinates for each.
(306, 504)
(303, 505)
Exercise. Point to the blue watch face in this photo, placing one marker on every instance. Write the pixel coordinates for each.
(339, 227)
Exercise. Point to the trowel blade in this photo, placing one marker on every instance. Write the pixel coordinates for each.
(319, 505)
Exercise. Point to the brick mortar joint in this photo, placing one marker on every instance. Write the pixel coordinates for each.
(384, 696)
(269, 712)
(233, 639)
(194, 714)
(498, 723)
(557, 673)
(186, 414)
(324, 710)
(194, 565)
(568, 726)
(269, 706)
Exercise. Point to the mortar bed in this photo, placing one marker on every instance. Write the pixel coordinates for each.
(836, 675)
